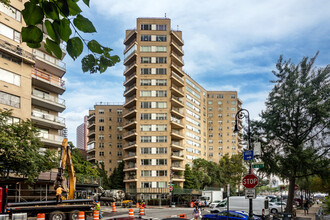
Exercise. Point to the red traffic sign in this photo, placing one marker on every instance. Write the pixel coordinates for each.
(296, 187)
(170, 188)
(250, 181)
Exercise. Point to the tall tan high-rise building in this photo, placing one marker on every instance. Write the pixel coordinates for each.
(30, 79)
(170, 119)
(105, 140)
(81, 135)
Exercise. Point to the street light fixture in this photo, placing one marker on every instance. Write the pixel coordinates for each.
(243, 113)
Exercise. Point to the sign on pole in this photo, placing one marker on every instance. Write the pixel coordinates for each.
(248, 155)
(170, 188)
(250, 193)
(258, 165)
(250, 181)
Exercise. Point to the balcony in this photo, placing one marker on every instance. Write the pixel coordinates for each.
(91, 158)
(131, 36)
(131, 79)
(177, 91)
(175, 47)
(177, 166)
(176, 134)
(177, 178)
(177, 60)
(91, 147)
(130, 156)
(131, 57)
(51, 64)
(51, 139)
(47, 101)
(177, 80)
(177, 69)
(91, 133)
(47, 120)
(177, 112)
(131, 135)
(130, 145)
(16, 51)
(130, 124)
(176, 123)
(130, 90)
(91, 125)
(177, 155)
(177, 38)
(130, 69)
(91, 116)
(177, 101)
(176, 145)
(130, 179)
(47, 81)
(130, 167)
(131, 112)
(130, 102)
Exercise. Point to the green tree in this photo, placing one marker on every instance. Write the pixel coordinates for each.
(104, 175)
(232, 170)
(117, 177)
(64, 22)
(190, 180)
(21, 150)
(295, 123)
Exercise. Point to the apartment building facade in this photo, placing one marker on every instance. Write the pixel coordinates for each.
(81, 135)
(30, 79)
(169, 118)
(105, 135)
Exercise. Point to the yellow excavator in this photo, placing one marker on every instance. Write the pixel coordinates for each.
(66, 161)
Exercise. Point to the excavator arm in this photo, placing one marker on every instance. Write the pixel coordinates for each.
(66, 162)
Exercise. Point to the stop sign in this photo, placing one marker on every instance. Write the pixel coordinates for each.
(250, 181)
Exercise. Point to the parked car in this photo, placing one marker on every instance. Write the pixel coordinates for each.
(275, 207)
(233, 215)
(215, 203)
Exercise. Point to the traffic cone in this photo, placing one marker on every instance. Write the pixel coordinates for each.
(113, 207)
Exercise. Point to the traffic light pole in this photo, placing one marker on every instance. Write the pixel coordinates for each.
(240, 115)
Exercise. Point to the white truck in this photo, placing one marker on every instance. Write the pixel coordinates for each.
(209, 196)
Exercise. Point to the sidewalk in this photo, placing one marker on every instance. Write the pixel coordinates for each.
(311, 213)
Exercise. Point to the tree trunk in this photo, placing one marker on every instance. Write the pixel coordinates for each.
(289, 203)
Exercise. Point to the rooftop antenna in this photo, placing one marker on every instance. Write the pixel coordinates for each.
(165, 15)
(177, 27)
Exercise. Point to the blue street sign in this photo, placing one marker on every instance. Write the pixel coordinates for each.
(248, 155)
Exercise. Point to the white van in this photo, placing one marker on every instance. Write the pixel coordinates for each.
(240, 203)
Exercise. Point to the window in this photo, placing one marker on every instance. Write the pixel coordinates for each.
(146, 150)
(145, 82)
(210, 102)
(161, 38)
(145, 93)
(10, 77)
(145, 26)
(11, 12)
(161, 116)
(146, 173)
(146, 184)
(145, 139)
(145, 116)
(119, 145)
(119, 137)
(101, 137)
(232, 96)
(110, 119)
(146, 162)
(11, 100)
(119, 120)
(145, 104)
(161, 49)
(233, 109)
(161, 82)
(161, 71)
(161, 150)
(161, 93)
(10, 33)
(161, 27)
(145, 37)
(101, 119)
(161, 161)
(161, 139)
(101, 145)
(145, 49)
(101, 153)
(160, 59)
(119, 154)
(219, 102)
(145, 71)
(119, 111)
(145, 127)
(220, 96)
(101, 128)
(161, 105)
(110, 110)
(233, 102)
(101, 111)
(145, 59)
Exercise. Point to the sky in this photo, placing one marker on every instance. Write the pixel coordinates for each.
(228, 45)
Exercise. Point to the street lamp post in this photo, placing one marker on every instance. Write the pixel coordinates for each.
(243, 113)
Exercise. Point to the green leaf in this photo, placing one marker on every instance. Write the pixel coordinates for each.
(88, 63)
(86, 2)
(48, 49)
(32, 14)
(95, 47)
(63, 7)
(50, 10)
(64, 29)
(54, 47)
(73, 8)
(31, 34)
(74, 47)
(33, 45)
(52, 32)
(83, 24)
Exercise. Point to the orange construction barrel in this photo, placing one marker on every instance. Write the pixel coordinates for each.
(81, 215)
(113, 207)
(131, 213)
(41, 216)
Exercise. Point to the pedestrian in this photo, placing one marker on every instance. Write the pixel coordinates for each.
(59, 191)
(306, 206)
(98, 208)
(196, 213)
